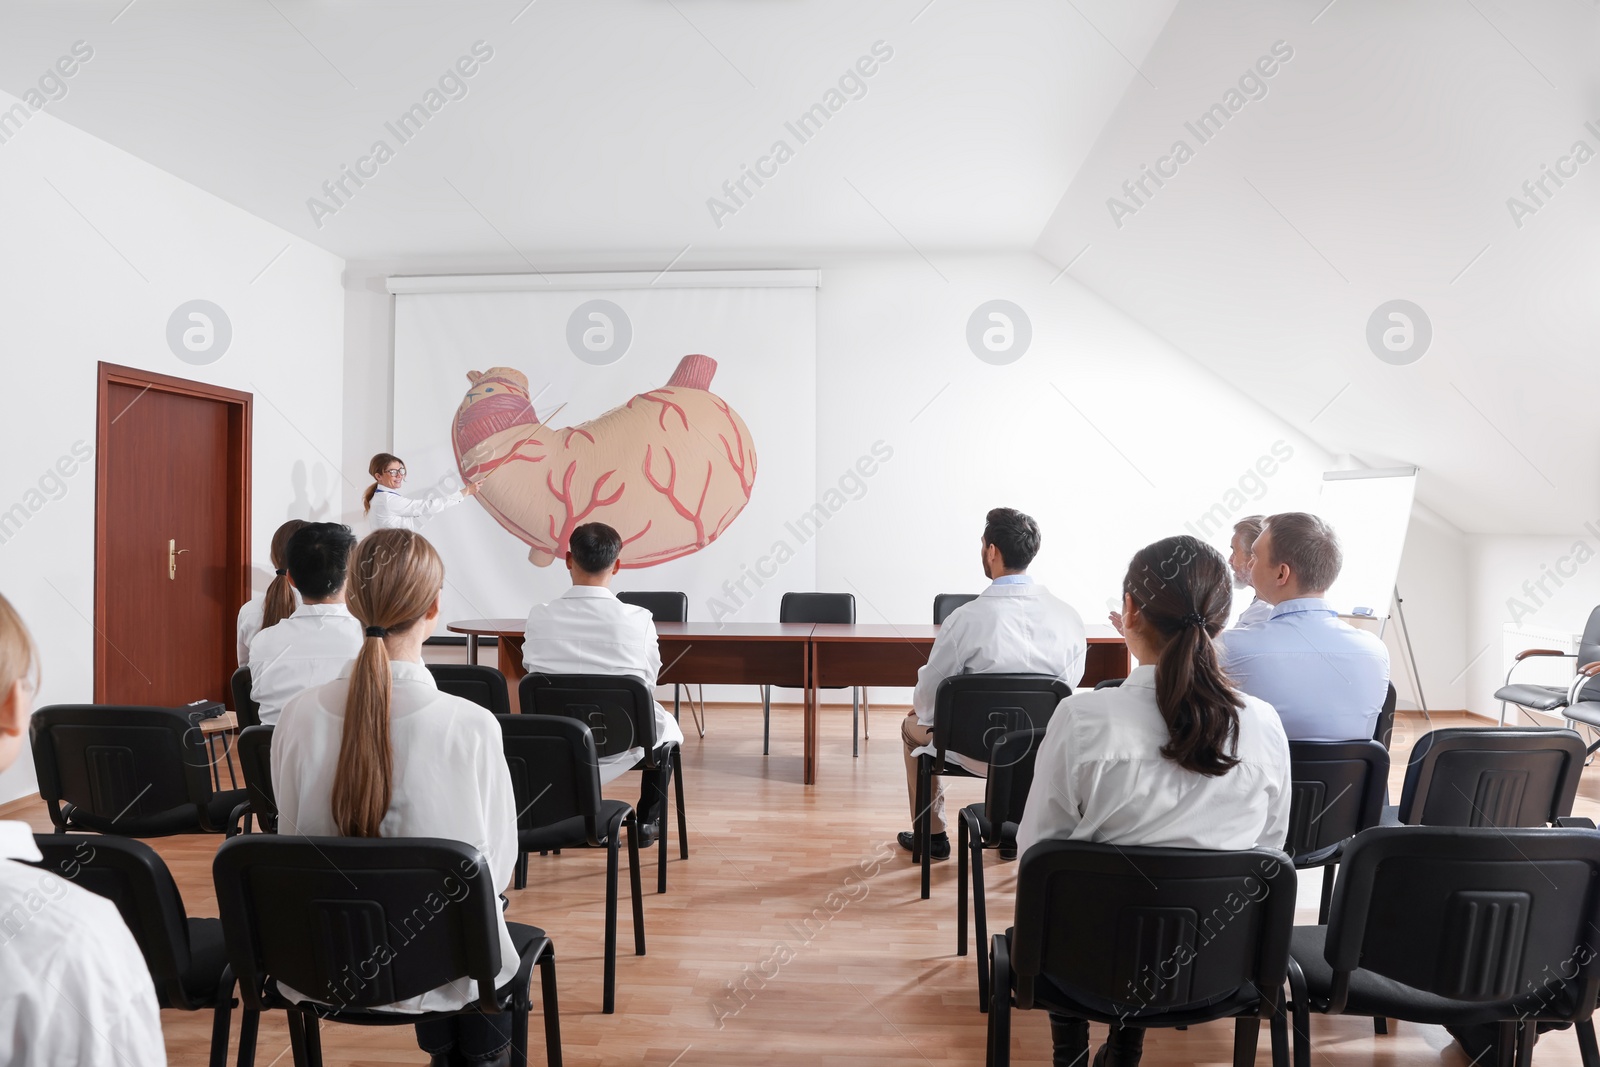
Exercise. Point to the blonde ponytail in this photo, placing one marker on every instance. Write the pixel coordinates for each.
(395, 577)
(278, 603)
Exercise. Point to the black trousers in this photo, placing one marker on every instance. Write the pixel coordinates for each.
(653, 788)
(472, 1036)
(1071, 1038)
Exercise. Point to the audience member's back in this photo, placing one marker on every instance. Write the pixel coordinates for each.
(1325, 678)
(77, 989)
(313, 645)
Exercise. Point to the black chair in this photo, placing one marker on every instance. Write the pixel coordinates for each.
(969, 712)
(1383, 732)
(133, 771)
(670, 607)
(1457, 927)
(245, 708)
(620, 712)
(1110, 683)
(820, 608)
(1149, 937)
(1557, 700)
(945, 603)
(993, 825)
(483, 685)
(318, 914)
(187, 962)
(1477, 776)
(555, 775)
(254, 749)
(1337, 791)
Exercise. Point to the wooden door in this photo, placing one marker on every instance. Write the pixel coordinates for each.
(171, 537)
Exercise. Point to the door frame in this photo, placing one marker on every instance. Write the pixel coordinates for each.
(236, 579)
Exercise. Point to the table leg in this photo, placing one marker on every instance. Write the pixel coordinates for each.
(511, 662)
(472, 649)
(809, 767)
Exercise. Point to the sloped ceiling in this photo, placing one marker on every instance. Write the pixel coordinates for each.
(605, 126)
(1375, 164)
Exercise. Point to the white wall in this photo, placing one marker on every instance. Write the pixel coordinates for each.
(1433, 585)
(100, 248)
(1101, 431)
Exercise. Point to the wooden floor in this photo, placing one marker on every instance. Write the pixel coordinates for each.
(774, 873)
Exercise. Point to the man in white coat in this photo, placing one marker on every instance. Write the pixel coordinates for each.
(1014, 627)
(312, 646)
(587, 630)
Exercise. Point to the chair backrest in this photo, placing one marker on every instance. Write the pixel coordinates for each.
(1449, 911)
(1152, 930)
(1589, 642)
(555, 771)
(662, 606)
(1011, 759)
(322, 914)
(1337, 791)
(254, 752)
(1383, 732)
(481, 684)
(134, 771)
(245, 709)
(945, 603)
(1482, 776)
(619, 710)
(132, 876)
(817, 607)
(971, 711)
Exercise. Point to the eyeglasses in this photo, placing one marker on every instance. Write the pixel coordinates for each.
(395, 472)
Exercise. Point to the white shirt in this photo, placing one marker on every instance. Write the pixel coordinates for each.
(77, 989)
(1258, 611)
(250, 619)
(1100, 776)
(1014, 627)
(305, 650)
(1327, 679)
(390, 510)
(450, 781)
(587, 630)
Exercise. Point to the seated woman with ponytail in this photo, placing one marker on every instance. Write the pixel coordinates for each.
(1175, 757)
(278, 602)
(380, 752)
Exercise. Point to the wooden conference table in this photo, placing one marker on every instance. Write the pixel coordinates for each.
(804, 656)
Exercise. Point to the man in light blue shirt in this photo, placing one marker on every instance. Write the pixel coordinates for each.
(1326, 679)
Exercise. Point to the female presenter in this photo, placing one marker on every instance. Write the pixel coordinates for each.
(390, 510)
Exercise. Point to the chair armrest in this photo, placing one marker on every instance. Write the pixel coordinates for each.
(1575, 822)
(1525, 653)
(236, 817)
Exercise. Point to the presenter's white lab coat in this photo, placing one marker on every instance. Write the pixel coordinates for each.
(587, 630)
(391, 511)
(1014, 627)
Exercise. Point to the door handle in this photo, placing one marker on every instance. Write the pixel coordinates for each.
(173, 552)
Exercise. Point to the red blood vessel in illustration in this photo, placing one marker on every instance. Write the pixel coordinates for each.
(669, 470)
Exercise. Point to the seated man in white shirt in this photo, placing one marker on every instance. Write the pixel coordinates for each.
(1245, 532)
(587, 630)
(312, 646)
(1326, 679)
(78, 990)
(1014, 627)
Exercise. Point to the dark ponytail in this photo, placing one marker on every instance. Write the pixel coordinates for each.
(278, 603)
(375, 468)
(1181, 587)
